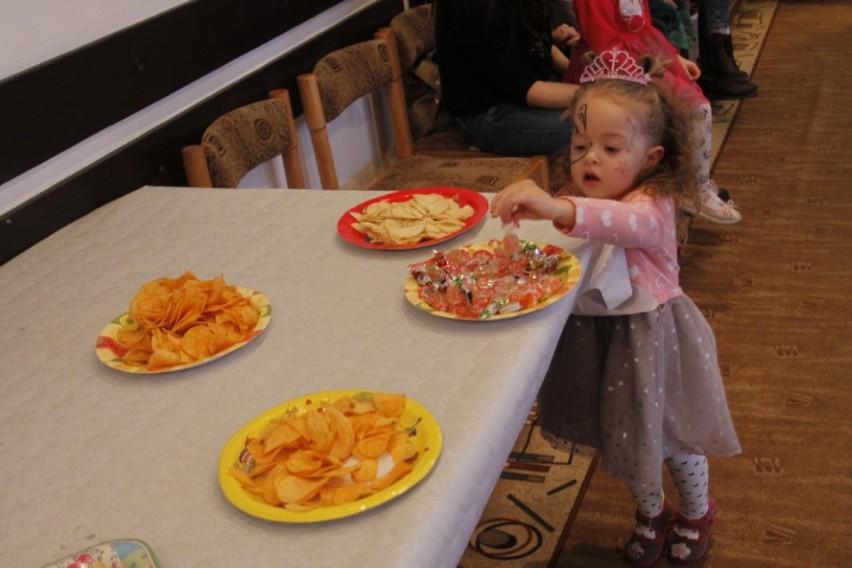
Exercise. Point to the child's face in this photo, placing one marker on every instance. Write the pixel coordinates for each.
(609, 148)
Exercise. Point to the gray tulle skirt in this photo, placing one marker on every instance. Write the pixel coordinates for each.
(640, 388)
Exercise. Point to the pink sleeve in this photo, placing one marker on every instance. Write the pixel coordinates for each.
(639, 221)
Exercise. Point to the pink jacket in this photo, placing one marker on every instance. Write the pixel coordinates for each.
(645, 226)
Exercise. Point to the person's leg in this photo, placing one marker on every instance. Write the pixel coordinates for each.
(690, 535)
(519, 131)
(716, 14)
(721, 76)
(690, 475)
(655, 517)
(708, 203)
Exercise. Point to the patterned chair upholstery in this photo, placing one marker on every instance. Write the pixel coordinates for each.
(242, 139)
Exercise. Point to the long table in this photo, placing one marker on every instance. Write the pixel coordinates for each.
(91, 454)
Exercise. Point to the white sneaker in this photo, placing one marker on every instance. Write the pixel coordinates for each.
(712, 207)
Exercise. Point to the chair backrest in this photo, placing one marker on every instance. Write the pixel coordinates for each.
(414, 31)
(344, 76)
(242, 139)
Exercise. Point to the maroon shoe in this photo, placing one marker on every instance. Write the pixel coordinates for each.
(687, 548)
(643, 551)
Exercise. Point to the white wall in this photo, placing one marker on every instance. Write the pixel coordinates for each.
(39, 30)
(34, 31)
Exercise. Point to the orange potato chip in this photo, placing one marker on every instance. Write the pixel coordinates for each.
(283, 435)
(398, 437)
(341, 494)
(374, 445)
(320, 434)
(389, 404)
(363, 423)
(295, 489)
(245, 479)
(302, 507)
(367, 470)
(304, 462)
(392, 476)
(403, 452)
(269, 488)
(344, 434)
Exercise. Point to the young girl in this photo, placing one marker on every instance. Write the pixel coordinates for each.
(627, 24)
(640, 380)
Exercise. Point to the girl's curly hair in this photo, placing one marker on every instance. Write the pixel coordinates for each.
(667, 120)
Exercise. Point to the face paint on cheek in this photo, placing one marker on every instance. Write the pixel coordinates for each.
(622, 170)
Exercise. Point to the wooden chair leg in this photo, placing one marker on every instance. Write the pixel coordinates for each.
(538, 172)
(195, 166)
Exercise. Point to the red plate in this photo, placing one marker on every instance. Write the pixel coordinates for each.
(464, 197)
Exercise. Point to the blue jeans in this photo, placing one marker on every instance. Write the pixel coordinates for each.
(715, 14)
(518, 131)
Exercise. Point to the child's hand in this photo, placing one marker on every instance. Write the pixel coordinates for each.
(690, 68)
(565, 36)
(526, 200)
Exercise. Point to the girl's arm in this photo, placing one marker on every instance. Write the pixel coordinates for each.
(638, 221)
(526, 200)
(560, 60)
(550, 94)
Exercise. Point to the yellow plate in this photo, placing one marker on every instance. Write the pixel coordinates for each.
(110, 352)
(426, 439)
(568, 268)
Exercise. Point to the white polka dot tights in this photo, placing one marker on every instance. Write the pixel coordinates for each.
(690, 475)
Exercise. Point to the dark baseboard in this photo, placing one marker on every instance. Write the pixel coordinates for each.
(155, 158)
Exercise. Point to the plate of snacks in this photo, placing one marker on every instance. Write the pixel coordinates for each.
(329, 455)
(178, 323)
(412, 218)
(493, 280)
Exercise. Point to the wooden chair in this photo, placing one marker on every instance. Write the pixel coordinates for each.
(345, 75)
(242, 139)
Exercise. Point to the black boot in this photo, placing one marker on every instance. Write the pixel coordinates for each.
(730, 64)
(721, 77)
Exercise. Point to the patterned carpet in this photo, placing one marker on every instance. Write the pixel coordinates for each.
(772, 287)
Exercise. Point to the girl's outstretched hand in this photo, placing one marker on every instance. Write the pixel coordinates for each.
(526, 200)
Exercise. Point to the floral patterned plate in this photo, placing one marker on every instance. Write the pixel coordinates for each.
(123, 553)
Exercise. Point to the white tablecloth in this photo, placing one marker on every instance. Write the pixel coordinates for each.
(92, 454)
